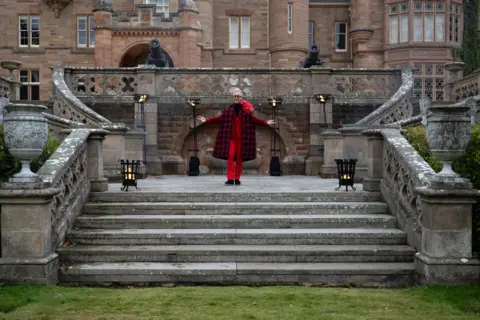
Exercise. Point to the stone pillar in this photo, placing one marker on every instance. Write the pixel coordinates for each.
(114, 150)
(134, 149)
(26, 234)
(102, 14)
(446, 247)
(361, 31)
(146, 85)
(95, 160)
(354, 147)
(374, 160)
(333, 142)
(205, 16)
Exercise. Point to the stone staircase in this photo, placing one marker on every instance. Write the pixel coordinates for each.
(229, 237)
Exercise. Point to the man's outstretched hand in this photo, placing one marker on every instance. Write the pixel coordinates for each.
(271, 122)
(202, 119)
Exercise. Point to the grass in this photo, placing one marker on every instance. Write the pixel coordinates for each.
(202, 303)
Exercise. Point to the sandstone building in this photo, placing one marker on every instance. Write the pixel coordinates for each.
(230, 33)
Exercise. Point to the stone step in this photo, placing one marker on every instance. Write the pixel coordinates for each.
(237, 236)
(328, 274)
(237, 253)
(191, 208)
(234, 221)
(237, 196)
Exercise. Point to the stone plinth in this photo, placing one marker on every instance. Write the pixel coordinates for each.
(114, 150)
(355, 147)
(374, 160)
(95, 159)
(333, 149)
(134, 149)
(26, 234)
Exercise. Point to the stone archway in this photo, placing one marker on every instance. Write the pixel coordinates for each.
(138, 54)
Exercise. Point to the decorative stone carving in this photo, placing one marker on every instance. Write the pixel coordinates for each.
(448, 132)
(424, 105)
(26, 133)
(103, 84)
(58, 5)
(102, 5)
(188, 5)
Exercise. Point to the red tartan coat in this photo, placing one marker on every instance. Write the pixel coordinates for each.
(249, 138)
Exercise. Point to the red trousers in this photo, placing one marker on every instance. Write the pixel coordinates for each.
(234, 171)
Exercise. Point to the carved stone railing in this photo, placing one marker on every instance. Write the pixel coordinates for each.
(216, 84)
(67, 171)
(66, 105)
(403, 171)
(467, 87)
(397, 108)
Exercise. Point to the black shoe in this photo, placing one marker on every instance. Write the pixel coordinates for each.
(229, 182)
(237, 182)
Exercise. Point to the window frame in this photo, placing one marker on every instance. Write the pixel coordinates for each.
(398, 14)
(163, 6)
(29, 84)
(434, 12)
(90, 29)
(346, 36)
(420, 74)
(290, 17)
(448, 15)
(239, 32)
(29, 31)
(312, 33)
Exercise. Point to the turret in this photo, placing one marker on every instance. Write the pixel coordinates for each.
(205, 16)
(102, 15)
(288, 28)
(190, 54)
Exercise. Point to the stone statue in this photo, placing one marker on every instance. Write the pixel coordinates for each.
(156, 56)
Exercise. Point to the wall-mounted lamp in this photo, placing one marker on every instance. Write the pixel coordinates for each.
(322, 99)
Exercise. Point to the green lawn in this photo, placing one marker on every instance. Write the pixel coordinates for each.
(199, 303)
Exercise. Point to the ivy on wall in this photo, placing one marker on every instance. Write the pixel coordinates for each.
(470, 53)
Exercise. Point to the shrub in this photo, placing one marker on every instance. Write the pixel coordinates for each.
(9, 165)
(467, 166)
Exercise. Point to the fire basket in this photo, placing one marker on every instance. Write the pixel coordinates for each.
(346, 172)
(130, 171)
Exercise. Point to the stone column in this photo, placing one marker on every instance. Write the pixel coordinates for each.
(333, 142)
(147, 85)
(374, 160)
(316, 149)
(191, 54)
(114, 150)
(354, 147)
(95, 160)
(26, 234)
(134, 148)
(453, 68)
(102, 13)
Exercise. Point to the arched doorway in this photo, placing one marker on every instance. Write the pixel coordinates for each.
(138, 54)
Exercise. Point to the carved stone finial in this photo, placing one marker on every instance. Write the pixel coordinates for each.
(424, 105)
(188, 5)
(57, 5)
(102, 5)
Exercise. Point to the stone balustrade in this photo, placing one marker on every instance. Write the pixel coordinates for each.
(36, 216)
(465, 87)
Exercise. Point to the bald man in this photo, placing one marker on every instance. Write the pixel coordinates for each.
(236, 138)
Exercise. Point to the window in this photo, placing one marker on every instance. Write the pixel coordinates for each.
(239, 30)
(29, 31)
(85, 32)
(340, 36)
(398, 23)
(290, 17)
(30, 88)
(311, 39)
(454, 17)
(428, 81)
(161, 6)
(429, 21)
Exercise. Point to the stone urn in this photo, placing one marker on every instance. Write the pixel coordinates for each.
(25, 131)
(10, 65)
(448, 133)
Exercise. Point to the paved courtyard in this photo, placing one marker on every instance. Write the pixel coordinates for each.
(249, 184)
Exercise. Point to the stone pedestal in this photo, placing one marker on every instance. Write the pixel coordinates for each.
(95, 161)
(374, 160)
(26, 234)
(333, 149)
(446, 247)
(114, 151)
(354, 147)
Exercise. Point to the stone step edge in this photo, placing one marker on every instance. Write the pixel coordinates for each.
(254, 249)
(236, 268)
(201, 217)
(239, 204)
